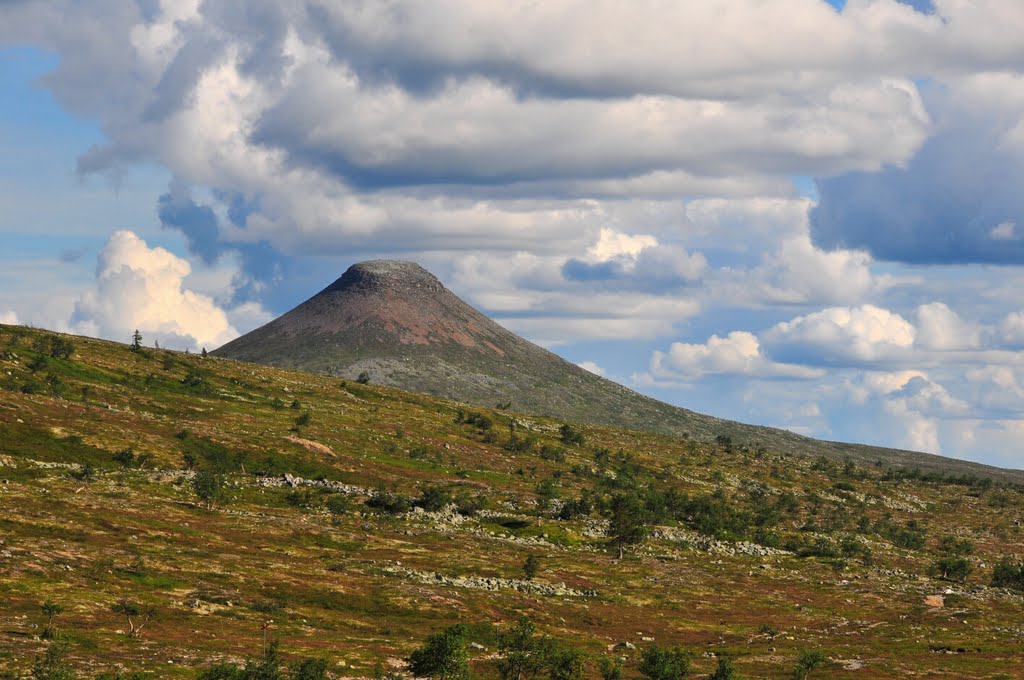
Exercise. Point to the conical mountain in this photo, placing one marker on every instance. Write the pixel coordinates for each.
(397, 323)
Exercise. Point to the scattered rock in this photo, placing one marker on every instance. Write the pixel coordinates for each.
(490, 583)
(292, 481)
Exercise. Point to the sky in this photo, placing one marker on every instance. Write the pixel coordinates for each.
(796, 213)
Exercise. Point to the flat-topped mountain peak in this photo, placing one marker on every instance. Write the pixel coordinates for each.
(380, 274)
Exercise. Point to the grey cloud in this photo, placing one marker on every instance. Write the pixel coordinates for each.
(71, 255)
(174, 90)
(198, 223)
(945, 207)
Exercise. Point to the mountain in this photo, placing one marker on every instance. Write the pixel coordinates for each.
(398, 324)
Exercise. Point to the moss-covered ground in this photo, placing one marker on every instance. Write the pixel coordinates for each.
(761, 555)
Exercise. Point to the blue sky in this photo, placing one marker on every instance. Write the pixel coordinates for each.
(798, 213)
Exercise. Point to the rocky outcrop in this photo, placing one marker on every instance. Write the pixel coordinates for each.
(488, 583)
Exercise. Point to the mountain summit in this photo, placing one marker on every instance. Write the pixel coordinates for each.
(396, 322)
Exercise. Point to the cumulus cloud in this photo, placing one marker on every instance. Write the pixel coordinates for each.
(773, 261)
(739, 353)
(940, 328)
(373, 126)
(841, 336)
(1011, 330)
(799, 273)
(612, 244)
(637, 259)
(592, 367)
(999, 390)
(138, 287)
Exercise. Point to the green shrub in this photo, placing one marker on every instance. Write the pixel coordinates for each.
(208, 486)
(725, 670)
(433, 498)
(531, 567)
(50, 609)
(1008, 574)
(555, 454)
(195, 382)
(575, 508)
(33, 387)
(571, 436)
(390, 502)
(443, 655)
(468, 504)
(950, 568)
(661, 663)
(86, 473)
(807, 662)
(610, 669)
(951, 545)
(547, 490)
(301, 498)
(125, 457)
(53, 665)
(338, 504)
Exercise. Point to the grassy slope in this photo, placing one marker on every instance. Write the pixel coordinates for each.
(534, 380)
(216, 575)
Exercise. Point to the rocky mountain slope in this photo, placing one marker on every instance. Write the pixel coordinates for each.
(398, 324)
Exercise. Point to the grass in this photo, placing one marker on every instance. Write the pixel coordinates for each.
(328, 582)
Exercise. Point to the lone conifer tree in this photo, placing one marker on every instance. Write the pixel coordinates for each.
(628, 520)
(136, 341)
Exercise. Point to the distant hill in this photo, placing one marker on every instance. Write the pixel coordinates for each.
(398, 324)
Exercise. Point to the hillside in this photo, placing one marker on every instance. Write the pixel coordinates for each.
(398, 324)
(754, 554)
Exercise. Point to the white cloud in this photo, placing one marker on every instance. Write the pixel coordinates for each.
(138, 287)
(739, 353)
(940, 328)
(623, 260)
(841, 335)
(9, 318)
(248, 316)
(592, 367)
(1011, 330)
(612, 244)
(800, 273)
(874, 383)
(999, 389)
(379, 124)
(917, 432)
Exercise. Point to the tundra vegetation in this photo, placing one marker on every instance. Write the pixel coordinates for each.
(168, 516)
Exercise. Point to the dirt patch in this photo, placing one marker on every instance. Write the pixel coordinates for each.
(310, 445)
